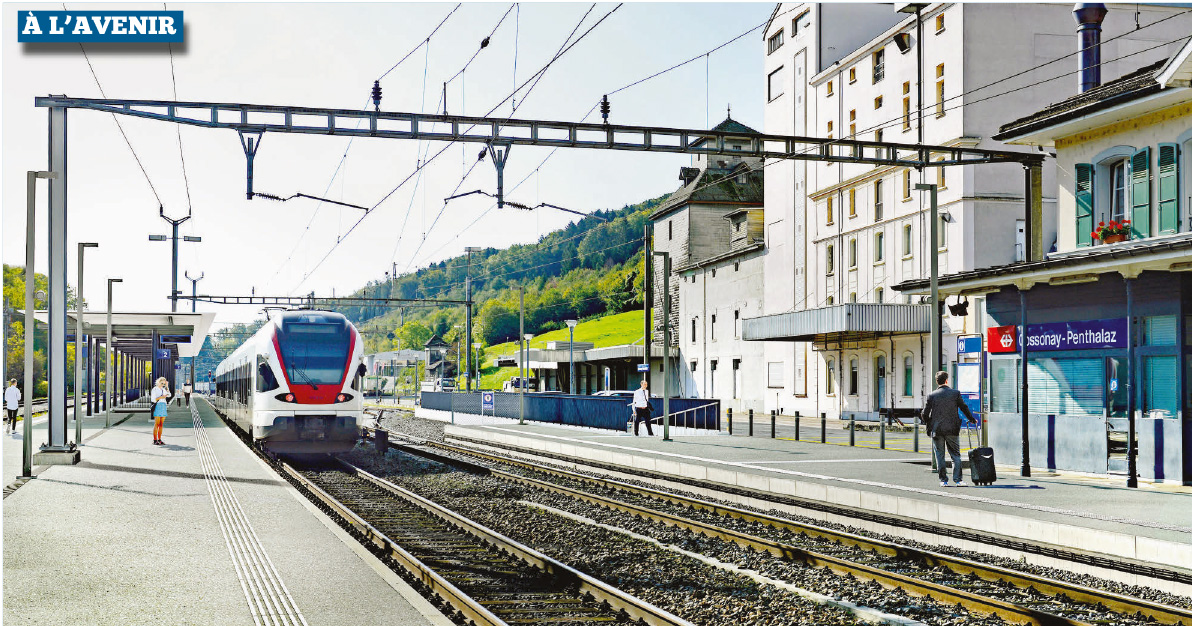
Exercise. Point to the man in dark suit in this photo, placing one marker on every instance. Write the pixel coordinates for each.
(941, 414)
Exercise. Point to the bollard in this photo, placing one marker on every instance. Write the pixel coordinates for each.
(730, 420)
(915, 423)
(796, 425)
(750, 422)
(882, 440)
(773, 424)
(381, 440)
(852, 429)
(823, 428)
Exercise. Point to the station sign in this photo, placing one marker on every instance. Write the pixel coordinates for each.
(486, 400)
(1078, 335)
(643, 367)
(163, 353)
(968, 345)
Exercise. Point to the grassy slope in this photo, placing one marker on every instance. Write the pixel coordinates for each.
(611, 330)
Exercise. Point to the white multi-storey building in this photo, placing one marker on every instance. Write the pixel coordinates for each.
(840, 235)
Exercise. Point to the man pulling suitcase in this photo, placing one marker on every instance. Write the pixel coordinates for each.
(941, 414)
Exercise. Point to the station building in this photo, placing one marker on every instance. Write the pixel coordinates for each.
(1108, 326)
(712, 228)
(838, 339)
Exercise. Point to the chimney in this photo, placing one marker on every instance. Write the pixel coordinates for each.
(1088, 18)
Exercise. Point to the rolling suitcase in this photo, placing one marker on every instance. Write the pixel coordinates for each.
(981, 467)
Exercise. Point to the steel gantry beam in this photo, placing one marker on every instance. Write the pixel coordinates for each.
(252, 120)
(312, 301)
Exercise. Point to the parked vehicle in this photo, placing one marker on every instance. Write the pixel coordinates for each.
(438, 384)
(515, 384)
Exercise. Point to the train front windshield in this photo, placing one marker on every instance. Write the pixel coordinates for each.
(314, 353)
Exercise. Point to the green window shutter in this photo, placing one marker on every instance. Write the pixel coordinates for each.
(1084, 204)
(1169, 188)
(1140, 194)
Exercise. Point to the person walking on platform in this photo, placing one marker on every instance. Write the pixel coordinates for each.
(941, 414)
(186, 392)
(641, 408)
(160, 398)
(12, 402)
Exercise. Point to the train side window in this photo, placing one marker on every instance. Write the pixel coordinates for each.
(266, 379)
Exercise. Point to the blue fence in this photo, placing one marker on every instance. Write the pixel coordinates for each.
(610, 413)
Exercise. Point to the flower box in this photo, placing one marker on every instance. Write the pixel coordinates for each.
(1113, 232)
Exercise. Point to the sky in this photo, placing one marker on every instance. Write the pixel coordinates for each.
(328, 55)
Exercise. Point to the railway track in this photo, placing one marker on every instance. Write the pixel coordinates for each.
(486, 578)
(1014, 596)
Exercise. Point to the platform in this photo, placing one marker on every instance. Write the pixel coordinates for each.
(142, 534)
(1150, 524)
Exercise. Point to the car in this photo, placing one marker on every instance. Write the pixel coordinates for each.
(618, 393)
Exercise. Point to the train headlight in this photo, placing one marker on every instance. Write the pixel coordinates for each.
(343, 397)
(285, 397)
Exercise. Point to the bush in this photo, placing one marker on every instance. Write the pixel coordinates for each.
(41, 389)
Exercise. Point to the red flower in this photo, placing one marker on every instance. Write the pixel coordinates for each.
(1095, 236)
(1101, 224)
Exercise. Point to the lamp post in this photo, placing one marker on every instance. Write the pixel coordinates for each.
(78, 392)
(476, 360)
(30, 323)
(468, 311)
(525, 381)
(521, 361)
(107, 352)
(571, 348)
(174, 223)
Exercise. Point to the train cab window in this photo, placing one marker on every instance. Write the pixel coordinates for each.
(266, 379)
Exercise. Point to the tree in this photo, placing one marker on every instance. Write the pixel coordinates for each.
(413, 336)
(497, 322)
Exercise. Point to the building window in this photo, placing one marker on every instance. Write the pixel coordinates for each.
(713, 273)
(852, 123)
(877, 135)
(939, 90)
(775, 42)
(908, 376)
(852, 75)
(831, 213)
(831, 300)
(906, 240)
(852, 203)
(939, 23)
(852, 297)
(877, 102)
(906, 106)
(693, 330)
(852, 376)
(829, 129)
(877, 199)
(879, 247)
(775, 84)
(879, 65)
(830, 259)
(774, 374)
(1117, 191)
(830, 92)
(736, 266)
(878, 295)
(852, 253)
(943, 233)
(941, 176)
(693, 364)
(670, 230)
(712, 330)
(737, 323)
(830, 382)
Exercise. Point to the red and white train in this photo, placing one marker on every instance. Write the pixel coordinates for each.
(295, 385)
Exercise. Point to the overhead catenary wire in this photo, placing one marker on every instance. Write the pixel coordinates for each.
(178, 127)
(117, 120)
(440, 152)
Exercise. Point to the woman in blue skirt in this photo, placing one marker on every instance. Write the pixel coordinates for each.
(160, 398)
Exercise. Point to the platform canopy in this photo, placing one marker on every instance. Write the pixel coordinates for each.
(132, 333)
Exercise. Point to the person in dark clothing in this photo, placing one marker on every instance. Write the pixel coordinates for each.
(641, 408)
(941, 414)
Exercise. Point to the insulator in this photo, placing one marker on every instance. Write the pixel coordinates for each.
(480, 157)
(484, 43)
(376, 94)
(605, 107)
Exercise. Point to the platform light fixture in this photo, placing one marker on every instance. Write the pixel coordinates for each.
(157, 237)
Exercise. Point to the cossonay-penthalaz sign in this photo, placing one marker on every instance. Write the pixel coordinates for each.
(1078, 335)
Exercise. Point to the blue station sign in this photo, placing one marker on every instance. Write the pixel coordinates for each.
(99, 26)
(1081, 335)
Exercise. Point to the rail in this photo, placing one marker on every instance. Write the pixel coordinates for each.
(1050, 587)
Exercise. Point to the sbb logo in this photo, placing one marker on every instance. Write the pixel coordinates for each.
(1002, 339)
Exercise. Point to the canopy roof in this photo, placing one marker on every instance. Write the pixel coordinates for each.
(132, 333)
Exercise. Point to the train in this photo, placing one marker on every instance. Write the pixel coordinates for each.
(295, 386)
